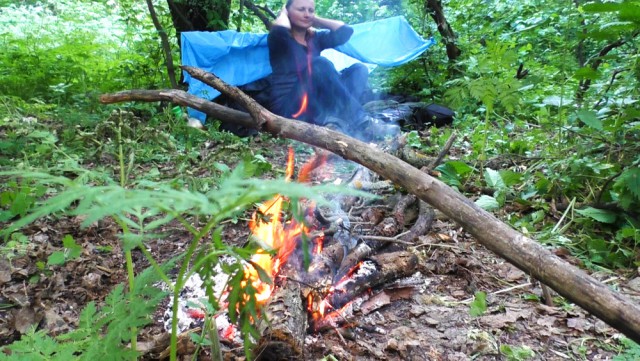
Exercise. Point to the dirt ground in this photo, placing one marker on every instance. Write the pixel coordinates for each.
(433, 323)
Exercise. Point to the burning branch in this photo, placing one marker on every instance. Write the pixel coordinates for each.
(525, 253)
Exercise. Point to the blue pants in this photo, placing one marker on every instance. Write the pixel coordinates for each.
(331, 94)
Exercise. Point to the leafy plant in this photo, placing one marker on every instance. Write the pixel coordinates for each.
(479, 304)
(101, 333)
(72, 250)
(515, 353)
(631, 351)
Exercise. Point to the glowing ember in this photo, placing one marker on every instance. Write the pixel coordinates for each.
(319, 244)
(229, 332)
(196, 313)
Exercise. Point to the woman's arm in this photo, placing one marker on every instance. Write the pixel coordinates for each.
(283, 19)
(327, 23)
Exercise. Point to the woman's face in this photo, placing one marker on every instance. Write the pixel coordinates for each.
(302, 13)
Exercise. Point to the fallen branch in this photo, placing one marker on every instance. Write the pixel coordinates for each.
(523, 252)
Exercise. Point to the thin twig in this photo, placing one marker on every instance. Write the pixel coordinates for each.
(468, 300)
(302, 283)
(443, 152)
(388, 239)
(439, 246)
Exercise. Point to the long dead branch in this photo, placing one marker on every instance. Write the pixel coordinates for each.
(525, 253)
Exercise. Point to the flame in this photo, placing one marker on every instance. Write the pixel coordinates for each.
(313, 163)
(303, 106)
(266, 225)
(319, 245)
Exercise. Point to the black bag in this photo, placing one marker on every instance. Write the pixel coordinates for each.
(434, 115)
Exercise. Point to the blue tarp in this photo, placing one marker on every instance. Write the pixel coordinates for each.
(240, 58)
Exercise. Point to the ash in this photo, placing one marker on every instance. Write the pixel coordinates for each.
(365, 269)
(192, 300)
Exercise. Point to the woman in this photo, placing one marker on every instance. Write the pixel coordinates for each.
(305, 85)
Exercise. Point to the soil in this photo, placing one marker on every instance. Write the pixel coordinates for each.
(433, 323)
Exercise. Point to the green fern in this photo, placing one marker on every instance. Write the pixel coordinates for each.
(102, 334)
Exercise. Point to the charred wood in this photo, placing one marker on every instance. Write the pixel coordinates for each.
(284, 328)
(423, 223)
(400, 209)
(375, 271)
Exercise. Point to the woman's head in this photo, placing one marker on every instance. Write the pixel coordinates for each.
(301, 13)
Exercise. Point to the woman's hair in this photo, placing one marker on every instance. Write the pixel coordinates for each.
(288, 5)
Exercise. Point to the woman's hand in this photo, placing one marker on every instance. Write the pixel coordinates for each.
(283, 18)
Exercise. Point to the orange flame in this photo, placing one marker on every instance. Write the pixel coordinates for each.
(303, 106)
(266, 225)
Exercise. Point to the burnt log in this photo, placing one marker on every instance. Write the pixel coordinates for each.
(523, 252)
(374, 271)
(283, 331)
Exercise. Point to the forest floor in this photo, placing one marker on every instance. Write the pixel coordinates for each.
(434, 323)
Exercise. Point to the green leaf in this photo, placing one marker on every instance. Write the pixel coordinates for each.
(479, 305)
(630, 180)
(262, 274)
(600, 215)
(74, 249)
(510, 177)
(589, 118)
(493, 179)
(487, 203)
(586, 72)
(56, 258)
(599, 7)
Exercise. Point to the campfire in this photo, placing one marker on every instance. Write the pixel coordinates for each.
(343, 273)
(346, 270)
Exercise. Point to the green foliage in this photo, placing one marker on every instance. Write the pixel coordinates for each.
(72, 250)
(479, 304)
(454, 172)
(515, 353)
(631, 351)
(101, 333)
(68, 51)
(627, 187)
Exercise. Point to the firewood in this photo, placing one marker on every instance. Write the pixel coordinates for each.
(422, 224)
(348, 296)
(283, 332)
(360, 252)
(401, 208)
(384, 267)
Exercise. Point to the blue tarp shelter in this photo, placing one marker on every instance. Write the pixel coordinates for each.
(241, 58)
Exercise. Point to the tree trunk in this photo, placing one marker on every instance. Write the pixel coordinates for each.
(523, 252)
(434, 8)
(166, 48)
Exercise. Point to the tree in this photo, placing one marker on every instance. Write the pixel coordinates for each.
(435, 10)
(199, 15)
